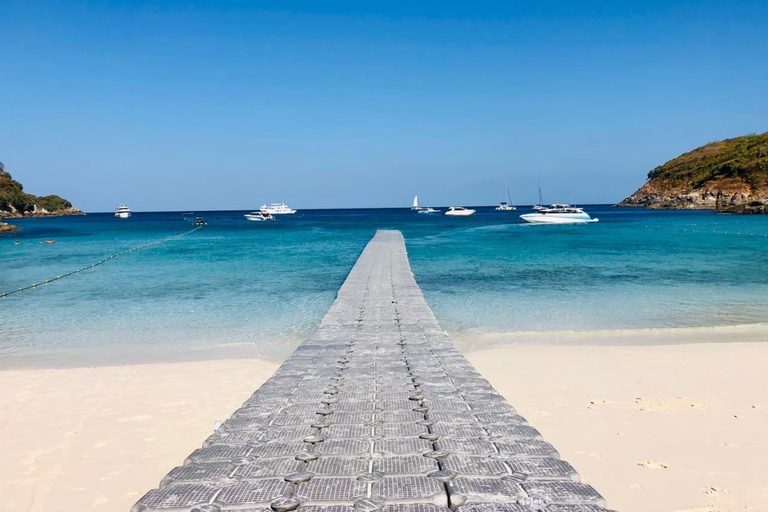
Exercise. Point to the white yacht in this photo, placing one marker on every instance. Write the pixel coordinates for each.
(459, 211)
(559, 214)
(422, 209)
(122, 212)
(259, 216)
(277, 209)
(506, 206)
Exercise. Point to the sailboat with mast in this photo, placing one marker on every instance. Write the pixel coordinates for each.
(540, 206)
(506, 206)
(422, 209)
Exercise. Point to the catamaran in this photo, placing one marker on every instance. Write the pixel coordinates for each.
(277, 209)
(422, 209)
(559, 214)
(506, 206)
(459, 211)
(122, 212)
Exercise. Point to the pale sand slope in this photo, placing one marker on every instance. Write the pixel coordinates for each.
(98, 438)
(653, 428)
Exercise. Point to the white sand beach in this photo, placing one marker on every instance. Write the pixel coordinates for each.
(98, 438)
(663, 427)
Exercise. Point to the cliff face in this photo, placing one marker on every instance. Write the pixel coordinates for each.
(729, 176)
(14, 202)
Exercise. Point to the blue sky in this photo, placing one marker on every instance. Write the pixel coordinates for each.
(229, 104)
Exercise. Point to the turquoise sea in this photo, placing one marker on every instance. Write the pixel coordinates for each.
(268, 284)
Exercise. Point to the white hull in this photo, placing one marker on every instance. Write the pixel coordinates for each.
(558, 218)
(464, 212)
(505, 208)
(258, 217)
(277, 209)
(122, 212)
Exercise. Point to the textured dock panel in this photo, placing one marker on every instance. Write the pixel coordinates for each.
(376, 411)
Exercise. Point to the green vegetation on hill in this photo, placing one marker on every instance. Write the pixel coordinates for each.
(741, 158)
(729, 176)
(14, 201)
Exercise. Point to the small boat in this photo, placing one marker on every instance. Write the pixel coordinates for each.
(506, 206)
(422, 209)
(277, 209)
(200, 222)
(559, 214)
(539, 206)
(459, 211)
(122, 212)
(259, 216)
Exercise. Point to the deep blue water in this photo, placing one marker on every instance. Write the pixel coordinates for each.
(237, 281)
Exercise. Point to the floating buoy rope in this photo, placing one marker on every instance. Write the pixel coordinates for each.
(109, 258)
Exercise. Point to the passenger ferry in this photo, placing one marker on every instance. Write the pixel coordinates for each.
(277, 209)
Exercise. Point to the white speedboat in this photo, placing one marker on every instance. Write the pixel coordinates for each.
(122, 212)
(259, 216)
(559, 214)
(277, 209)
(506, 206)
(422, 209)
(459, 211)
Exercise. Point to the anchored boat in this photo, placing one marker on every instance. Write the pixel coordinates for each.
(277, 209)
(459, 211)
(122, 212)
(559, 214)
(422, 209)
(506, 206)
(259, 216)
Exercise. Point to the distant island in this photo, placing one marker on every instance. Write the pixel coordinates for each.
(15, 203)
(730, 176)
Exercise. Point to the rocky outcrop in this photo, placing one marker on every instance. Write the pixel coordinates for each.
(741, 203)
(7, 228)
(730, 176)
(14, 202)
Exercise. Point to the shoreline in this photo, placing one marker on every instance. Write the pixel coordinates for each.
(474, 340)
(467, 341)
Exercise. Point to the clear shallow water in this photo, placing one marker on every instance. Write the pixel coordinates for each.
(270, 284)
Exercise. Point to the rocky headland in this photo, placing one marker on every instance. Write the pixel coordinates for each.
(15, 203)
(730, 176)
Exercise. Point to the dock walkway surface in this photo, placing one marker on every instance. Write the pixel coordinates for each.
(377, 410)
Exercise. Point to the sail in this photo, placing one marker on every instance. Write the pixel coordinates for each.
(541, 199)
(506, 188)
(415, 201)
